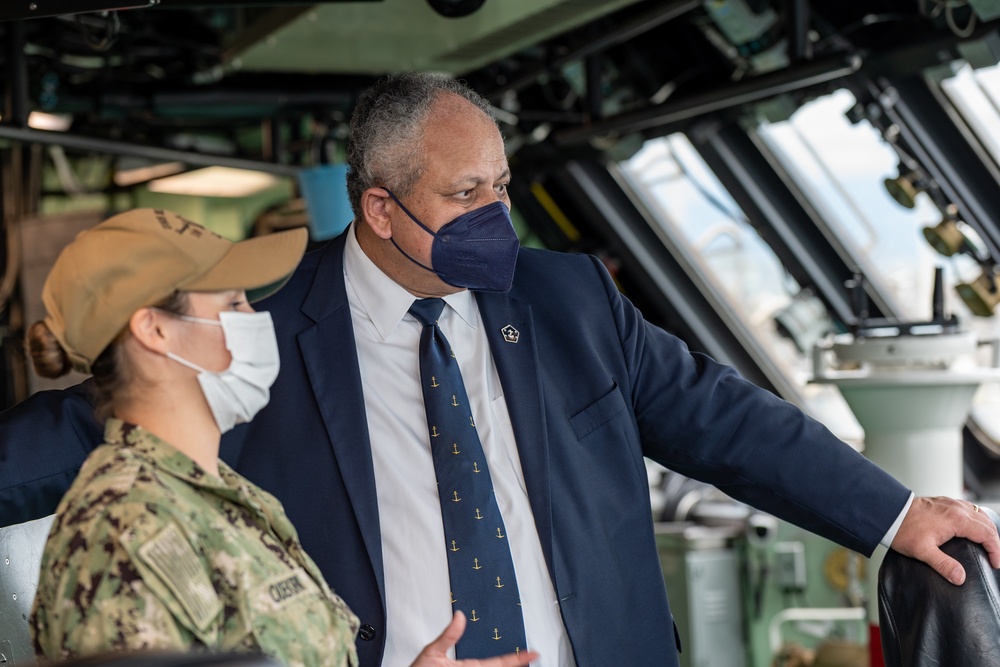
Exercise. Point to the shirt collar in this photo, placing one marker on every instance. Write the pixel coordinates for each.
(383, 299)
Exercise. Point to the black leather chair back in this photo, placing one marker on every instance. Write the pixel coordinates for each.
(927, 622)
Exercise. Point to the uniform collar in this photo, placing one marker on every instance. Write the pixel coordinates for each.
(382, 298)
(165, 456)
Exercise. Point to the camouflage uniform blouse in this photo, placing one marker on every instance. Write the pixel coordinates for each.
(149, 551)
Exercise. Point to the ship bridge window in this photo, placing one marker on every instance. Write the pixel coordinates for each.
(737, 271)
(850, 177)
(975, 95)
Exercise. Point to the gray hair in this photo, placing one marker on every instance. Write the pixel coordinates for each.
(386, 127)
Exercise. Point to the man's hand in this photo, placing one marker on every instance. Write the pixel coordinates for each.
(435, 654)
(930, 522)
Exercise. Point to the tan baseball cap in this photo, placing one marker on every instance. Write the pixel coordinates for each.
(139, 258)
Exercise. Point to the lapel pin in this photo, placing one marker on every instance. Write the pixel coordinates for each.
(510, 334)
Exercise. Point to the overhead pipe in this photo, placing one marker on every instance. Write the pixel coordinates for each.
(111, 147)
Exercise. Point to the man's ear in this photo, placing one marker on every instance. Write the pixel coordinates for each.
(374, 209)
(146, 328)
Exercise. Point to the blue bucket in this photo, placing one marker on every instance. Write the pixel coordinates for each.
(324, 189)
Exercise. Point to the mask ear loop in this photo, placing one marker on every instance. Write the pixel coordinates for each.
(184, 362)
(187, 318)
(422, 226)
(407, 212)
(200, 320)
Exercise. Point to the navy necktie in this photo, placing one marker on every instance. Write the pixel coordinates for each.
(483, 584)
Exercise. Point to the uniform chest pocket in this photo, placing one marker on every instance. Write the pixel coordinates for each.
(598, 413)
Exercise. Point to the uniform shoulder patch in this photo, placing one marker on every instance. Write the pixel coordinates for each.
(174, 561)
(110, 469)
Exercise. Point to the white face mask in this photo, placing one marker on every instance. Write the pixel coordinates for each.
(238, 393)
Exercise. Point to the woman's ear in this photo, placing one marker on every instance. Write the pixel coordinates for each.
(147, 327)
(374, 209)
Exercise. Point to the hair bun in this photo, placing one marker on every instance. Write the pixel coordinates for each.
(47, 355)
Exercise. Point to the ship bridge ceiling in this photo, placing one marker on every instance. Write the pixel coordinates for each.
(625, 119)
(562, 72)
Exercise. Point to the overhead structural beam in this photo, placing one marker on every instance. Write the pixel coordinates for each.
(758, 88)
(623, 33)
(252, 3)
(670, 276)
(12, 10)
(110, 147)
(788, 225)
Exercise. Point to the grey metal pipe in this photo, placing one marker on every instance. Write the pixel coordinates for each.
(111, 147)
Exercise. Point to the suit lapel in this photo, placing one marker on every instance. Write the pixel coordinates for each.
(517, 365)
(330, 356)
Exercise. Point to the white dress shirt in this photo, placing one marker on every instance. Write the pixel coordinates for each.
(890, 534)
(417, 585)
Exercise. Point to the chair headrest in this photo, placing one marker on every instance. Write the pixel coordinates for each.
(927, 621)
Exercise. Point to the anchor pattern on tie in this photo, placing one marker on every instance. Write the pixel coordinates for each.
(483, 583)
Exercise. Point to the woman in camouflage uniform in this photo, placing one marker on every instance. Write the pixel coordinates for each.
(158, 544)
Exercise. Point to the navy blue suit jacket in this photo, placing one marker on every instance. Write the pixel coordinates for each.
(591, 388)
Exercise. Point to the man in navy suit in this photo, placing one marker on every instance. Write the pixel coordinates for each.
(570, 388)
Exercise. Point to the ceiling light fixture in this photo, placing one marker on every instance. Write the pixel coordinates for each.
(39, 120)
(214, 182)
